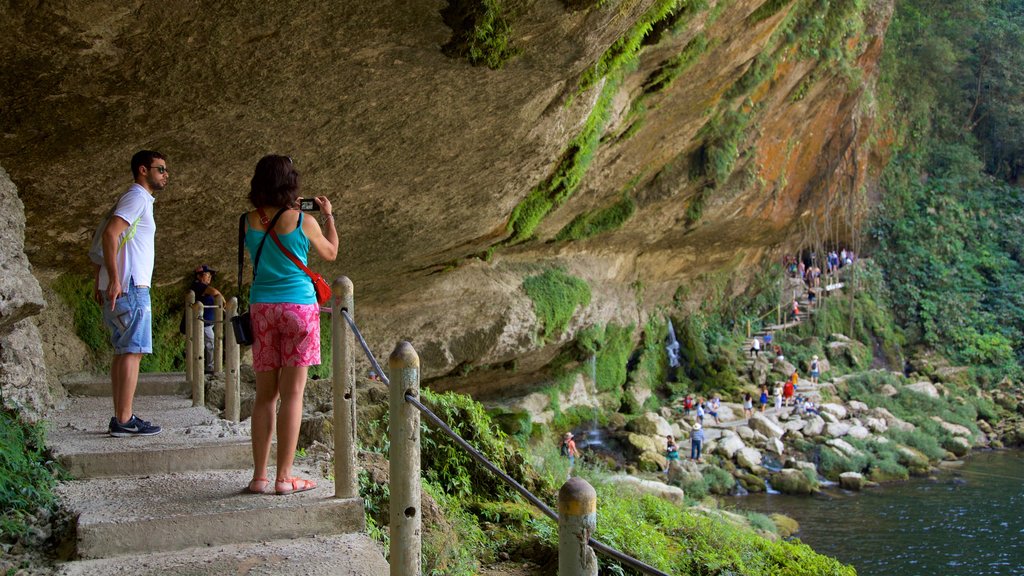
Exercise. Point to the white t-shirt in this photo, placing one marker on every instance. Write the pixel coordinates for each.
(136, 259)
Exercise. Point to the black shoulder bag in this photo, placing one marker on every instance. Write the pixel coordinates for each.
(242, 324)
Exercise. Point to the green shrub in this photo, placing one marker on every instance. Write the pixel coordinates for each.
(590, 224)
(481, 32)
(27, 475)
(556, 295)
(718, 481)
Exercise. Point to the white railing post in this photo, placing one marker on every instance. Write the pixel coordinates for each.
(343, 380)
(218, 334)
(190, 299)
(404, 455)
(232, 357)
(577, 520)
(198, 362)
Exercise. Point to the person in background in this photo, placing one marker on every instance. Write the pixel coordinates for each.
(207, 295)
(696, 442)
(687, 405)
(748, 405)
(764, 398)
(285, 315)
(787, 392)
(815, 369)
(777, 395)
(713, 405)
(122, 287)
(700, 410)
(568, 449)
(755, 347)
(671, 452)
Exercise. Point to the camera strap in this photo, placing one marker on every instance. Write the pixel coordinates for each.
(242, 224)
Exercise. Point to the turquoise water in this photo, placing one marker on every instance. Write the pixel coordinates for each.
(966, 521)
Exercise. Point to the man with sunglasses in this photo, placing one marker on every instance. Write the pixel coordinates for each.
(122, 287)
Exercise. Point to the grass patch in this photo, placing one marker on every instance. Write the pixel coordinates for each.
(593, 223)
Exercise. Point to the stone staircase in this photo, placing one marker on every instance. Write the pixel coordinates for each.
(174, 503)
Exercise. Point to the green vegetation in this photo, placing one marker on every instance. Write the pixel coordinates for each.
(949, 231)
(480, 32)
(167, 304)
(562, 183)
(593, 223)
(766, 11)
(556, 295)
(27, 475)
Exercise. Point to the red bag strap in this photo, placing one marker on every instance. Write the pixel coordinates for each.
(273, 236)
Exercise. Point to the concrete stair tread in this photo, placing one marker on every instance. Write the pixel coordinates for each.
(340, 555)
(150, 384)
(193, 438)
(165, 512)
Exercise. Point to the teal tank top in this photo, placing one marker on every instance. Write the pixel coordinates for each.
(278, 279)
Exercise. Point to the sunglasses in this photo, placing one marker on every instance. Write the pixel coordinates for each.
(160, 169)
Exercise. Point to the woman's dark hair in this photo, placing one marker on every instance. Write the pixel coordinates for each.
(274, 183)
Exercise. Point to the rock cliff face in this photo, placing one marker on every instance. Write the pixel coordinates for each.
(728, 143)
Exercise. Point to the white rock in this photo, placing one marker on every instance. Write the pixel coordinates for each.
(729, 446)
(837, 410)
(954, 429)
(888, 390)
(794, 425)
(877, 425)
(829, 417)
(844, 447)
(857, 406)
(815, 426)
(749, 458)
(851, 480)
(659, 489)
(761, 423)
(924, 387)
(775, 445)
(858, 432)
(745, 432)
(837, 429)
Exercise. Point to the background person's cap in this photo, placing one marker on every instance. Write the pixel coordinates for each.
(204, 268)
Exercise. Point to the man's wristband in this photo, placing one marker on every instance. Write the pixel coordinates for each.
(325, 217)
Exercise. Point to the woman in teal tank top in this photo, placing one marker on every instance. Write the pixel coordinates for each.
(285, 315)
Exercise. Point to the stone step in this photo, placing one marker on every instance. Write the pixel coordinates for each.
(169, 512)
(150, 384)
(339, 555)
(192, 439)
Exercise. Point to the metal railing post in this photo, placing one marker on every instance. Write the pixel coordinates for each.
(577, 520)
(190, 300)
(404, 454)
(232, 357)
(198, 362)
(218, 334)
(343, 378)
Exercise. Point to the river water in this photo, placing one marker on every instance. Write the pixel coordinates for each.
(964, 521)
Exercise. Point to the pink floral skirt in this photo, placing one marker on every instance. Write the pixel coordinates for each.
(286, 335)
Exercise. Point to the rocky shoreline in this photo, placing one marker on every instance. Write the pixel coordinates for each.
(782, 450)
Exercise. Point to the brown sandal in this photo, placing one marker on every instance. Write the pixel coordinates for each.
(292, 486)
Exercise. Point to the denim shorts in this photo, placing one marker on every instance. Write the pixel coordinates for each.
(130, 322)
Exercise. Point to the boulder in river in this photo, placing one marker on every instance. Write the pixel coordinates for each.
(851, 481)
(792, 481)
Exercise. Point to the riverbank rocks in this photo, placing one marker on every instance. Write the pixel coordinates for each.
(650, 424)
(660, 489)
(851, 481)
(761, 423)
(954, 429)
(958, 445)
(792, 481)
(923, 387)
(749, 458)
(728, 446)
(844, 447)
(913, 460)
(814, 427)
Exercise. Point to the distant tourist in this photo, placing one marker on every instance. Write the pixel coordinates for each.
(764, 398)
(206, 295)
(755, 347)
(671, 452)
(700, 410)
(815, 370)
(713, 406)
(787, 392)
(777, 394)
(687, 405)
(696, 442)
(748, 405)
(568, 450)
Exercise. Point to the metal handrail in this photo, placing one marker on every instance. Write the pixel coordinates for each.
(482, 460)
